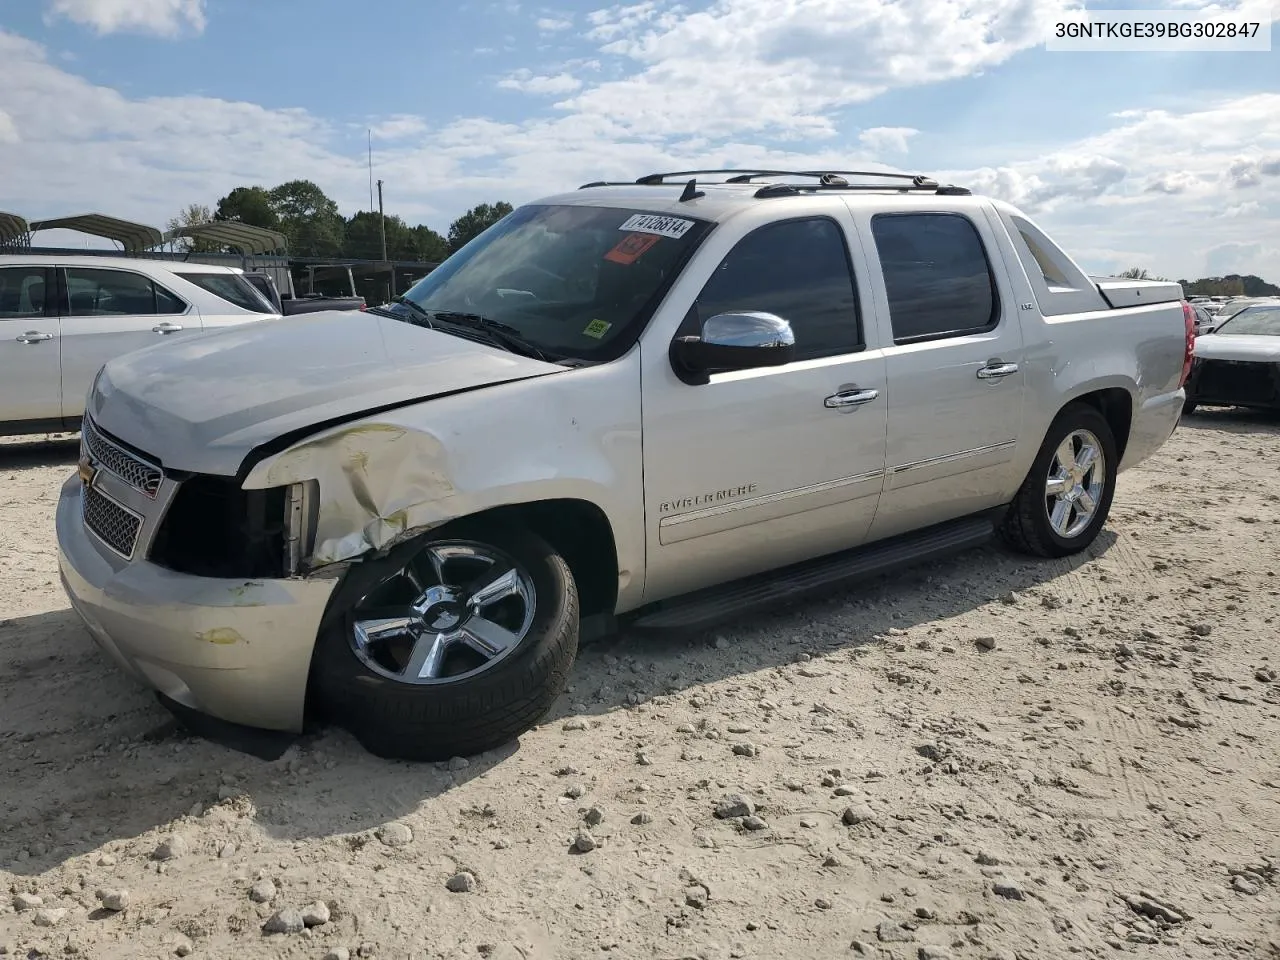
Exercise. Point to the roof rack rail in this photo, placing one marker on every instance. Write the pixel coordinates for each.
(825, 179)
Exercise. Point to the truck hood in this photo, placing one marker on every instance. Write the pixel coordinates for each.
(203, 403)
(1226, 346)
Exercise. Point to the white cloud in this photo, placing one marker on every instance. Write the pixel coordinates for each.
(528, 82)
(1177, 185)
(783, 68)
(887, 139)
(399, 127)
(553, 24)
(8, 129)
(166, 18)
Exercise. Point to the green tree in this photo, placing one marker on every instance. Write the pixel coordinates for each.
(475, 222)
(429, 245)
(251, 205)
(308, 218)
(192, 215)
(1136, 273)
(364, 238)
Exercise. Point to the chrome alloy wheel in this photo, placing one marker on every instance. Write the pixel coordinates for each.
(454, 610)
(1077, 477)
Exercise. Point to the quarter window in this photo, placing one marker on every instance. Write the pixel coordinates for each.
(798, 270)
(114, 293)
(936, 275)
(22, 292)
(230, 287)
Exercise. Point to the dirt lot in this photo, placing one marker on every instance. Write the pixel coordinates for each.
(987, 758)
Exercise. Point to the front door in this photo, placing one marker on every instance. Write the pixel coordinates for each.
(30, 378)
(108, 312)
(761, 468)
(954, 355)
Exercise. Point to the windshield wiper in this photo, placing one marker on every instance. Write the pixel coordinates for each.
(498, 333)
(384, 312)
(404, 301)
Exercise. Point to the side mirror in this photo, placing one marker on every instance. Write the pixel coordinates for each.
(733, 341)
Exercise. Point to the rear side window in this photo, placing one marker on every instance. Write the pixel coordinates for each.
(22, 292)
(798, 270)
(229, 287)
(115, 293)
(936, 274)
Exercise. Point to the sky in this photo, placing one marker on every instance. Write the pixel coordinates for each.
(136, 108)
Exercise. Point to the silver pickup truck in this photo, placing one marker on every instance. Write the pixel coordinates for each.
(652, 405)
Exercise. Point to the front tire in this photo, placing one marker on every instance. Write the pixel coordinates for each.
(1189, 407)
(449, 646)
(1064, 501)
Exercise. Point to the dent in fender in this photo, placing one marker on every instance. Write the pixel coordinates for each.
(377, 482)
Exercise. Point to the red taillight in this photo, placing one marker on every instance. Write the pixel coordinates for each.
(1189, 319)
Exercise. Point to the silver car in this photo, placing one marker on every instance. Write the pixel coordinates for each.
(656, 404)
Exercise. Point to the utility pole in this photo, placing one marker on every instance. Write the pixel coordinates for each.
(382, 229)
(382, 223)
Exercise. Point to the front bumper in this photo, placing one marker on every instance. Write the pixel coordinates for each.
(1235, 383)
(239, 650)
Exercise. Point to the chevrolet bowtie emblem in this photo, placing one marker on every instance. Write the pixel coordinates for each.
(86, 470)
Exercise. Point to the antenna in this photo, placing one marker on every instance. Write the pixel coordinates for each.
(370, 133)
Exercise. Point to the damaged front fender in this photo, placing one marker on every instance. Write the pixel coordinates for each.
(370, 478)
(379, 481)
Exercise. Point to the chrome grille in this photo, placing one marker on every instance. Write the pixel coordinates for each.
(138, 473)
(111, 523)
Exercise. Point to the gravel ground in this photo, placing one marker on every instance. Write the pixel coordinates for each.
(988, 757)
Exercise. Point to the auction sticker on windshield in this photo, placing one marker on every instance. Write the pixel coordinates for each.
(632, 247)
(673, 227)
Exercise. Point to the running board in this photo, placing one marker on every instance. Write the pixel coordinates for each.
(728, 601)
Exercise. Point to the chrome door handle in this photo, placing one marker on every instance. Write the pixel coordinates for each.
(850, 398)
(994, 370)
(34, 336)
(166, 327)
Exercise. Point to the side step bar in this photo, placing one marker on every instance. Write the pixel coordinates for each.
(715, 605)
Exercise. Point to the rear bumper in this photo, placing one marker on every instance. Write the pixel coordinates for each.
(1153, 424)
(238, 650)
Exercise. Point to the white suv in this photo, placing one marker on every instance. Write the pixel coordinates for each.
(62, 318)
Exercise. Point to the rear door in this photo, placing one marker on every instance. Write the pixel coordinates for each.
(108, 312)
(30, 372)
(954, 365)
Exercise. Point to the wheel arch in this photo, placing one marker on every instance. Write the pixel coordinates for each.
(1115, 403)
(579, 531)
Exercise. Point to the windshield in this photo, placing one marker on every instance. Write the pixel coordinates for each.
(1254, 321)
(576, 282)
(1228, 310)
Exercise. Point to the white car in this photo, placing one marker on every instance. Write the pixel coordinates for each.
(63, 317)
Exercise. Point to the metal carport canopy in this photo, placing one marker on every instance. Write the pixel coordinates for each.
(12, 227)
(242, 237)
(134, 237)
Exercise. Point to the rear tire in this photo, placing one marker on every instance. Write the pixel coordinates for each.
(1060, 509)
(437, 717)
(1189, 407)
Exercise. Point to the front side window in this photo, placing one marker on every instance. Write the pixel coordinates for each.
(798, 270)
(575, 281)
(93, 292)
(936, 274)
(229, 287)
(22, 292)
